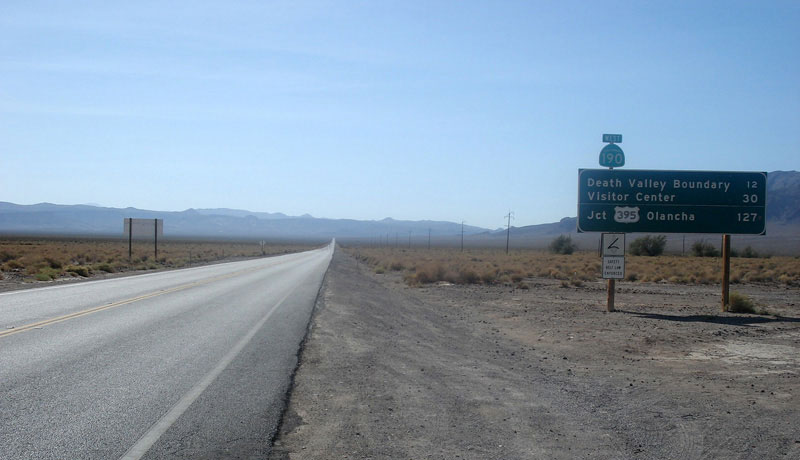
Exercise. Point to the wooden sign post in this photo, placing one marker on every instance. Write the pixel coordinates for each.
(726, 271)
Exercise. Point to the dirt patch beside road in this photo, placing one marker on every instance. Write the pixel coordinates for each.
(482, 372)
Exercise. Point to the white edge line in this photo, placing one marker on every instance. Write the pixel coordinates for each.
(155, 432)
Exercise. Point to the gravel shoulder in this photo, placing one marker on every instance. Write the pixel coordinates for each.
(479, 372)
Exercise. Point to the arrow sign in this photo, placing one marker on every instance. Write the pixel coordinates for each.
(613, 244)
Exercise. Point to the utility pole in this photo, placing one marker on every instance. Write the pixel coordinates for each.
(409, 239)
(429, 239)
(395, 239)
(462, 236)
(510, 216)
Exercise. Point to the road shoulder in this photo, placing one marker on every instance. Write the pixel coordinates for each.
(488, 372)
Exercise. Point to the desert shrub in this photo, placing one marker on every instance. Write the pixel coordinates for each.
(428, 274)
(489, 276)
(47, 274)
(740, 303)
(13, 265)
(380, 270)
(562, 245)
(54, 263)
(5, 256)
(748, 253)
(703, 249)
(648, 245)
(467, 276)
(397, 266)
(79, 270)
(105, 267)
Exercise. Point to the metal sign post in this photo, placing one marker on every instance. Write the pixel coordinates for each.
(130, 239)
(142, 228)
(155, 240)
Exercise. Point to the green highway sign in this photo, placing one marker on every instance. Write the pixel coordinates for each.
(614, 138)
(612, 156)
(651, 201)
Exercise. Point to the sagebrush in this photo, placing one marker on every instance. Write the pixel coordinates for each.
(493, 266)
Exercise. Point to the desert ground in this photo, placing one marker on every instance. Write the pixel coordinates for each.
(536, 368)
(438, 354)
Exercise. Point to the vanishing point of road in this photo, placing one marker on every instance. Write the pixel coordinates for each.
(191, 363)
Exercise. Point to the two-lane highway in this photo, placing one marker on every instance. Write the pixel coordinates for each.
(189, 363)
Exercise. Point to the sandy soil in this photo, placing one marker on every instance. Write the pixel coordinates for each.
(476, 372)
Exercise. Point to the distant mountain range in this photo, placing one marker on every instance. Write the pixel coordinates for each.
(783, 197)
(783, 223)
(55, 219)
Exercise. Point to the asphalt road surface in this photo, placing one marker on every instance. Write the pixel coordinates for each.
(190, 363)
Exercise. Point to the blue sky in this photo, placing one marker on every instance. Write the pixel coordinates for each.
(415, 110)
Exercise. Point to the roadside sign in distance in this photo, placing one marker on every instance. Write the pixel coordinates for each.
(613, 244)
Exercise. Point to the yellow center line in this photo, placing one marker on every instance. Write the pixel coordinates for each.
(120, 303)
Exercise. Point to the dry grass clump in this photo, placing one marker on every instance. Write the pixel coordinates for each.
(491, 266)
(45, 259)
(481, 266)
(740, 303)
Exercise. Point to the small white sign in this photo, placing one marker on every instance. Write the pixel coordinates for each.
(614, 267)
(613, 244)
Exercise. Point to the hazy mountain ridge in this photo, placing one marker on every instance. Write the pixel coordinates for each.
(48, 218)
(783, 197)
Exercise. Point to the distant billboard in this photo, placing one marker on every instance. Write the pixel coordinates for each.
(143, 228)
